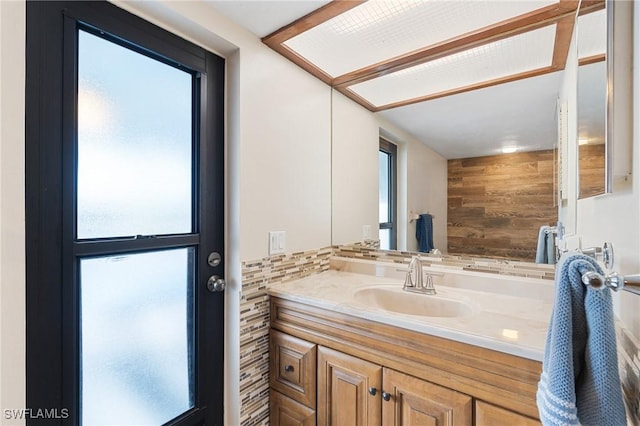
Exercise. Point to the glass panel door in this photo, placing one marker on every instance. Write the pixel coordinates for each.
(137, 347)
(125, 202)
(135, 182)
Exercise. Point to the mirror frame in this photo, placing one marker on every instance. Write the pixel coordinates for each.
(608, 121)
(620, 92)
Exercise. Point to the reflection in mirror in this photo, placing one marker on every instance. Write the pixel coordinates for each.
(592, 98)
(513, 102)
(591, 135)
(387, 157)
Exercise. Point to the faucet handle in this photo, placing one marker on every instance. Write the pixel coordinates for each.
(408, 282)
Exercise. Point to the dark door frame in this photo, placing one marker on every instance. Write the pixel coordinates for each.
(51, 297)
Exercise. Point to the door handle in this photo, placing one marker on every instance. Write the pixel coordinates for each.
(216, 284)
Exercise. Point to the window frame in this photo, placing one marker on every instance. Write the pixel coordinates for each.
(391, 150)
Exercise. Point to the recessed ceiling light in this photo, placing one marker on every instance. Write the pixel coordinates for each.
(509, 149)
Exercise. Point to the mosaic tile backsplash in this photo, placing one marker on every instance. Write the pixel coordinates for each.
(629, 364)
(467, 263)
(254, 324)
(258, 274)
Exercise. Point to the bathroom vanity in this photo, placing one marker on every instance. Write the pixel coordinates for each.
(338, 358)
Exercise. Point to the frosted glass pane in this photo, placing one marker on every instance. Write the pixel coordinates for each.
(383, 160)
(136, 338)
(524, 52)
(385, 239)
(134, 143)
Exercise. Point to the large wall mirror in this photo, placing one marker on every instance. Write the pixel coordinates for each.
(591, 28)
(479, 158)
(471, 94)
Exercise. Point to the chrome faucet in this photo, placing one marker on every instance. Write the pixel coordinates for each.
(418, 286)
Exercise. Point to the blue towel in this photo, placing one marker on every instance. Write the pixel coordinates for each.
(424, 233)
(580, 383)
(545, 252)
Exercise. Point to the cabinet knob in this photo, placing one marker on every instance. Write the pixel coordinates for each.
(386, 396)
(373, 391)
(288, 368)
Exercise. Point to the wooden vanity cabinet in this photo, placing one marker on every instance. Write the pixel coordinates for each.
(355, 392)
(490, 415)
(292, 367)
(284, 411)
(416, 402)
(370, 374)
(349, 390)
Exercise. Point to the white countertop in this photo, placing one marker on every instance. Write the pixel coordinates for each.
(506, 323)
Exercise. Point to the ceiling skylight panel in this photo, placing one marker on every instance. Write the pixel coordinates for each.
(381, 29)
(525, 52)
(592, 34)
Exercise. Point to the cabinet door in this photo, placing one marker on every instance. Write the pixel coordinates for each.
(284, 411)
(490, 415)
(348, 390)
(414, 402)
(292, 368)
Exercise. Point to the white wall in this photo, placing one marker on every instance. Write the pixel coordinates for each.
(12, 236)
(355, 148)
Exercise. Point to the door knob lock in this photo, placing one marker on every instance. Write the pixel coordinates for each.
(215, 284)
(214, 259)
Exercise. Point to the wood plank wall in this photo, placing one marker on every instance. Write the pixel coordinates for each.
(496, 204)
(591, 165)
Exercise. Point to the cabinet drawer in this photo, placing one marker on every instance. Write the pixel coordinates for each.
(293, 367)
(284, 411)
(490, 415)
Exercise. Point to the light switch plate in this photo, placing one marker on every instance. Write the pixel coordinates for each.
(366, 232)
(277, 242)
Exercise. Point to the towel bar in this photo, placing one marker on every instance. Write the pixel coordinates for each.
(613, 281)
(415, 216)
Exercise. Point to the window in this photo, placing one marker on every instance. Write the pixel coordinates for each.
(387, 195)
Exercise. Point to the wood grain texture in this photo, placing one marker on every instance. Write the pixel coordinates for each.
(501, 379)
(496, 204)
(416, 402)
(292, 368)
(489, 415)
(561, 13)
(343, 383)
(284, 411)
(591, 164)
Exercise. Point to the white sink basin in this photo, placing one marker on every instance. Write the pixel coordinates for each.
(394, 299)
